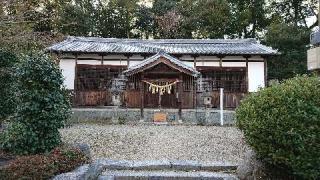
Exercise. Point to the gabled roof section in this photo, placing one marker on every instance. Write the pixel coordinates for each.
(170, 46)
(161, 57)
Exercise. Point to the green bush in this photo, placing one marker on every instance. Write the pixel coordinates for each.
(43, 107)
(41, 166)
(7, 84)
(282, 124)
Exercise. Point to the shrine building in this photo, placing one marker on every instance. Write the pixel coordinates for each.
(161, 73)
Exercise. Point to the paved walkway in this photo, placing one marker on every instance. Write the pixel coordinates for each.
(150, 142)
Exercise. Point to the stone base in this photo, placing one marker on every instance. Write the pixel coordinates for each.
(133, 116)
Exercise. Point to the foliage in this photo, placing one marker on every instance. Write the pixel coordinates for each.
(60, 160)
(7, 84)
(291, 42)
(204, 19)
(294, 11)
(16, 138)
(248, 18)
(282, 124)
(28, 24)
(76, 18)
(35, 24)
(43, 107)
(144, 22)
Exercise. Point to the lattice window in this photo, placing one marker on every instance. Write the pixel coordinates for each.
(96, 77)
(232, 80)
(134, 82)
(188, 82)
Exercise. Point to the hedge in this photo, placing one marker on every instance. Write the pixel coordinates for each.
(282, 124)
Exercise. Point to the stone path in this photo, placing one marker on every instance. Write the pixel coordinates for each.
(150, 142)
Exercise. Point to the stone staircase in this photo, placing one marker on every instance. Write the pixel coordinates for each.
(160, 170)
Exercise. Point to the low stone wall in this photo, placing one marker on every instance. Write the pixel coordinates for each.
(96, 169)
(114, 115)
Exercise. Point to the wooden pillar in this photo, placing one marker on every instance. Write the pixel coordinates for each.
(75, 71)
(195, 61)
(247, 72)
(128, 60)
(194, 90)
(102, 59)
(142, 94)
(180, 86)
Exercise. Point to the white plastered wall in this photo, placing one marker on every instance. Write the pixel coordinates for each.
(256, 76)
(90, 62)
(68, 71)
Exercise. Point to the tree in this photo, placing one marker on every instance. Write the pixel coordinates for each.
(144, 22)
(25, 26)
(43, 107)
(291, 42)
(248, 18)
(208, 19)
(116, 18)
(77, 18)
(294, 11)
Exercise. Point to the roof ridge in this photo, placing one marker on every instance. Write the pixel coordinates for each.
(161, 41)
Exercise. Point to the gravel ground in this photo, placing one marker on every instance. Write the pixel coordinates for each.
(148, 142)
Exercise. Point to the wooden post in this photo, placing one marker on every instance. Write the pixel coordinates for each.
(221, 106)
(142, 94)
(75, 72)
(102, 59)
(159, 102)
(128, 60)
(180, 95)
(247, 73)
(194, 90)
(195, 61)
(75, 93)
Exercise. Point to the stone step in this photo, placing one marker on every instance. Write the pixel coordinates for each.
(169, 165)
(164, 175)
(160, 169)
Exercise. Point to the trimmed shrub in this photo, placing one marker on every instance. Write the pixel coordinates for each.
(7, 84)
(41, 166)
(43, 107)
(282, 124)
(67, 158)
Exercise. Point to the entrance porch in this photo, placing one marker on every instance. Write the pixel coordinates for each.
(164, 81)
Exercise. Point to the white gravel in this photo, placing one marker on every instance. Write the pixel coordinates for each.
(148, 142)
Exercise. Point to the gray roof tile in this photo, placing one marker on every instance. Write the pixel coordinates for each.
(171, 46)
(151, 59)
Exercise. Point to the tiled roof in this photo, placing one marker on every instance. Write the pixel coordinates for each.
(134, 69)
(171, 46)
